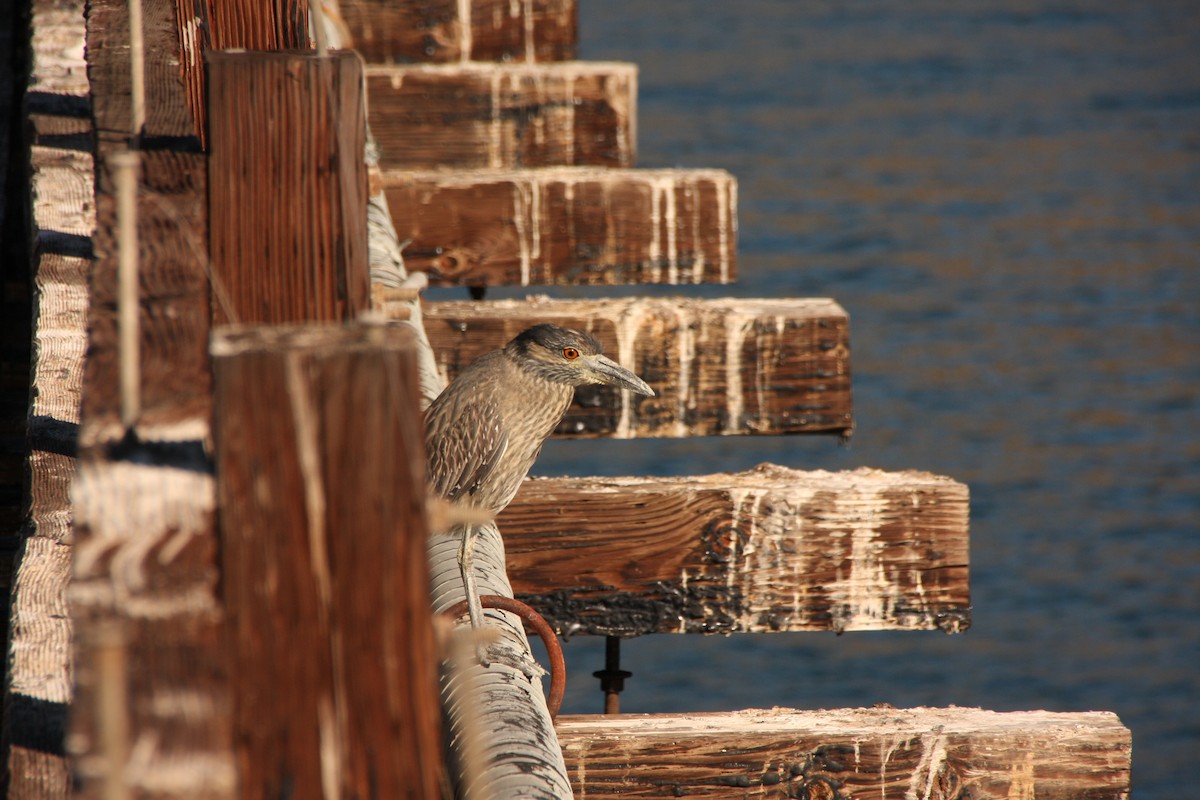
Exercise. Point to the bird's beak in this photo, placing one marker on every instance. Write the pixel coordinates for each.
(609, 372)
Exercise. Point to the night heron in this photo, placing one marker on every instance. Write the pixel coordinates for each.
(484, 431)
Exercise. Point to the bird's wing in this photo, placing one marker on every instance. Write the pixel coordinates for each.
(464, 448)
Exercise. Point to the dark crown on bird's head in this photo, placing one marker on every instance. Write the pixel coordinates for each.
(546, 339)
(571, 357)
(556, 354)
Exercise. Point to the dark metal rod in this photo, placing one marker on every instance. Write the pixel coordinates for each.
(612, 677)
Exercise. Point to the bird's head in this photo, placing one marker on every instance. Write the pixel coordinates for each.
(572, 357)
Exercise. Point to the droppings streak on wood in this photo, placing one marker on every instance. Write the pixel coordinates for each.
(735, 332)
(727, 228)
(864, 590)
(1022, 785)
(124, 530)
(627, 330)
(493, 144)
(465, 26)
(156, 773)
(929, 766)
(530, 53)
(685, 400)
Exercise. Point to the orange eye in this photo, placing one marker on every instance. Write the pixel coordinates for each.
(570, 353)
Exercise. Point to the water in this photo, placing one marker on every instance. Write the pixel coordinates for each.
(1005, 196)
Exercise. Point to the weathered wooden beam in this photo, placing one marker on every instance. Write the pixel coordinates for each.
(891, 754)
(385, 31)
(323, 539)
(770, 549)
(472, 116)
(567, 225)
(719, 367)
(288, 200)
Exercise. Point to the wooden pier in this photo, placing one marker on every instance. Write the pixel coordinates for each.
(228, 597)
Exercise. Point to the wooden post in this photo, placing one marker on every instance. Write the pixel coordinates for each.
(233, 24)
(143, 544)
(321, 481)
(173, 283)
(288, 186)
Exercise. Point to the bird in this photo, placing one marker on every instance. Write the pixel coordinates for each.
(484, 431)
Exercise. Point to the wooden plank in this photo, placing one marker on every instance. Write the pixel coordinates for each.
(323, 538)
(472, 116)
(288, 204)
(567, 225)
(891, 754)
(770, 549)
(719, 367)
(385, 31)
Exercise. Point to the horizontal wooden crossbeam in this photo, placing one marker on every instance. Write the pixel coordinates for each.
(884, 753)
(770, 549)
(567, 225)
(451, 30)
(719, 367)
(476, 115)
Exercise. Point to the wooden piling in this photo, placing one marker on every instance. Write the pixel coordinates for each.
(321, 482)
(143, 541)
(208, 25)
(287, 187)
(173, 285)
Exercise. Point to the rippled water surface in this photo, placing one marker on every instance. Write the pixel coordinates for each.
(1005, 196)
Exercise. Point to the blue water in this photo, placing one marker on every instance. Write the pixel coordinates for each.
(1005, 196)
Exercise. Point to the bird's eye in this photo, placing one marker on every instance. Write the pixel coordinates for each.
(570, 353)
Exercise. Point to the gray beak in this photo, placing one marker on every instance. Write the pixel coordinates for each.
(609, 372)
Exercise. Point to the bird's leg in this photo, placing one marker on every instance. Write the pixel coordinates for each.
(466, 558)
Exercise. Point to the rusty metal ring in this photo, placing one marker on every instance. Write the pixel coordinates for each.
(558, 665)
